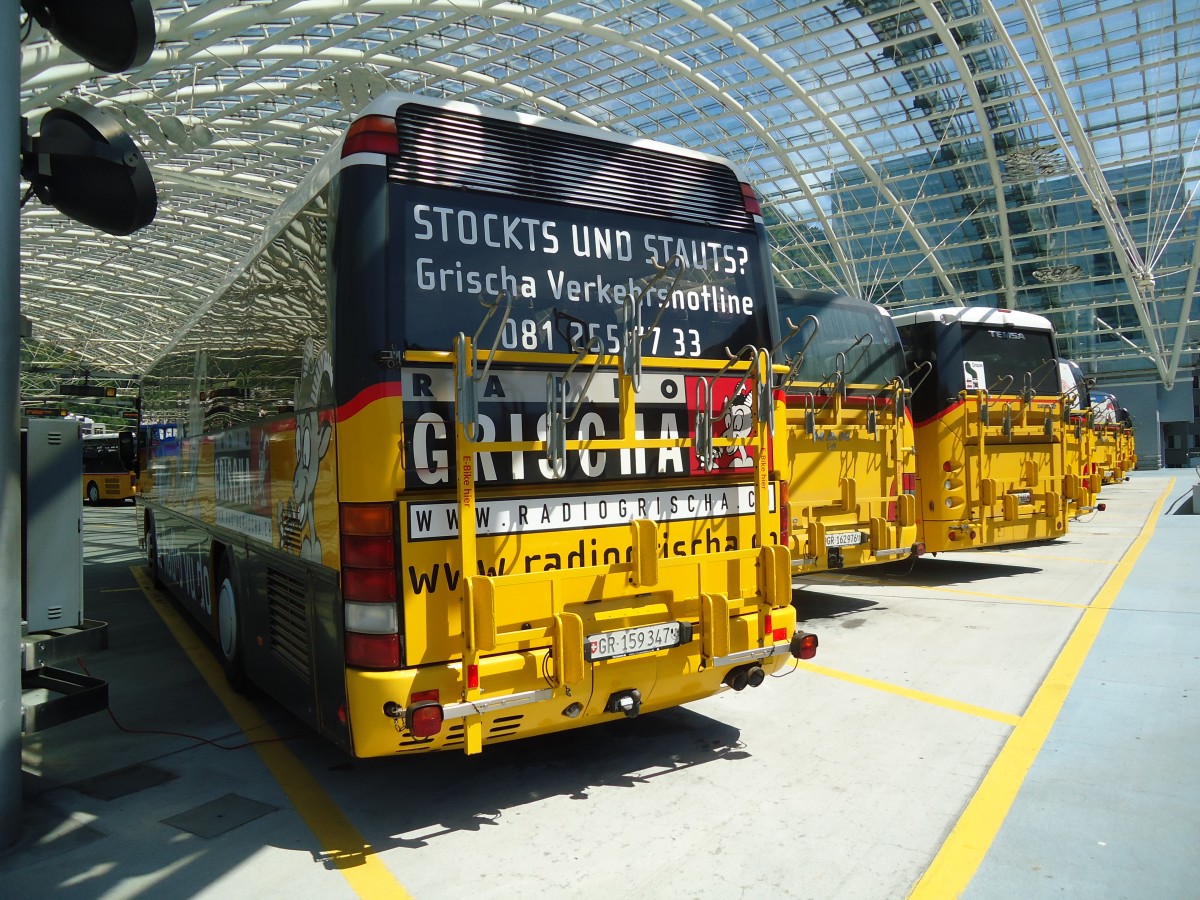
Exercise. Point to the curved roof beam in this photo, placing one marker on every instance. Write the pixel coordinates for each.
(768, 63)
(227, 20)
(1139, 278)
(969, 84)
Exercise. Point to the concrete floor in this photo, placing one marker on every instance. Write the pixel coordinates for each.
(924, 751)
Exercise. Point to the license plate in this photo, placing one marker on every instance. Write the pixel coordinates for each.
(1024, 498)
(843, 538)
(628, 641)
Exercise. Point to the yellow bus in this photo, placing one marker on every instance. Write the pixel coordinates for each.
(1114, 454)
(989, 427)
(1081, 485)
(478, 437)
(109, 467)
(849, 437)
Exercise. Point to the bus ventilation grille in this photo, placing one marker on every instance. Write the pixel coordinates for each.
(447, 148)
(287, 614)
(452, 737)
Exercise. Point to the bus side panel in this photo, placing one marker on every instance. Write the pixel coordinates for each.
(294, 646)
(183, 564)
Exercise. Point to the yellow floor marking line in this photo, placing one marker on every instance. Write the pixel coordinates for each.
(1006, 597)
(343, 845)
(965, 847)
(911, 693)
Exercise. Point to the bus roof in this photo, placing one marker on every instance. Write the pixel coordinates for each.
(976, 315)
(389, 103)
(825, 298)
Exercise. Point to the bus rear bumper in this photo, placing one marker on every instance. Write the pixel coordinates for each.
(521, 699)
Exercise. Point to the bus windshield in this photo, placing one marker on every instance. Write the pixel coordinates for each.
(109, 453)
(1005, 360)
(864, 334)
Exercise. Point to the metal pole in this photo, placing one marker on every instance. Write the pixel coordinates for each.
(10, 443)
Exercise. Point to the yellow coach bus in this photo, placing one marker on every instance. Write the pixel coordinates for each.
(989, 427)
(1080, 483)
(849, 437)
(109, 467)
(478, 442)
(1114, 455)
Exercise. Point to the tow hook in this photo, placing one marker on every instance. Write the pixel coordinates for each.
(627, 702)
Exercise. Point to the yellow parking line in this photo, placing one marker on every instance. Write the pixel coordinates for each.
(1007, 597)
(343, 845)
(912, 694)
(964, 849)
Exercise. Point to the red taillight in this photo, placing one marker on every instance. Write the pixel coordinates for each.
(372, 134)
(804, 645)
(776, 634)
(363, 551)
(750, 200)
(947, 466)
(424, 719)
(908, 482)
(369, 578)
(472, 678)
(368, 552)
(372, 651)
(369, 585)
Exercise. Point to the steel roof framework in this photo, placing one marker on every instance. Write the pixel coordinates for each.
(1040, 156)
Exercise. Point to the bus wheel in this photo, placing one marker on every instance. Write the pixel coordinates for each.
(93, 492)
(229, 629)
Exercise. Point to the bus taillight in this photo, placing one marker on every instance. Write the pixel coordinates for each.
(750, 200)
(369, 588)
(372, 134)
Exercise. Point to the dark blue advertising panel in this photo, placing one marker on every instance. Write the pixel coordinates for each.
(568, 270)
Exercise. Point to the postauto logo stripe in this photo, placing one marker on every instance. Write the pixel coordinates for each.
(438, 521)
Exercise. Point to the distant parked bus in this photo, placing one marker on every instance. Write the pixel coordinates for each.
(989, 427)
(109, 467)
(849, 438)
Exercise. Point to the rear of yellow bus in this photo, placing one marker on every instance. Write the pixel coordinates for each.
(848, 439)
(989, 427)
(1080, 484)
(558, 505)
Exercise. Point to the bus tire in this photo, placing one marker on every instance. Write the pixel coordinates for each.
(152, 554)
(229, 626)
(93, 493)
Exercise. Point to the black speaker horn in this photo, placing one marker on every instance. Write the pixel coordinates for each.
(84, 164)
(113, 35)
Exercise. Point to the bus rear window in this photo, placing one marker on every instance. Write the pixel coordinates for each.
(1004, 361)
(867, 340)
(570, 231)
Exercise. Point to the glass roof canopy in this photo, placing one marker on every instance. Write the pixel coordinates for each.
(1038, 156)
